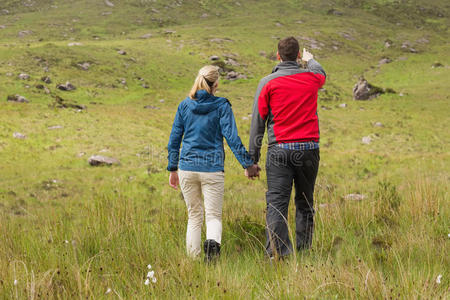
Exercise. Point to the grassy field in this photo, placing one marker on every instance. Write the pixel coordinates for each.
(69, 230)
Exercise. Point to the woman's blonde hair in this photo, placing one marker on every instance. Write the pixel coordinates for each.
(206, 78)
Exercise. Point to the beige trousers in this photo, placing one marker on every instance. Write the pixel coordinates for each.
(211, 185)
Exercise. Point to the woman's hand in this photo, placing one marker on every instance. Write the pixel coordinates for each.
(173, 180)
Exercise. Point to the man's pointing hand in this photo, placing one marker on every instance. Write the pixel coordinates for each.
(306, 56)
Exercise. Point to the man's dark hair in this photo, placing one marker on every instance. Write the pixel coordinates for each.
(288, 49)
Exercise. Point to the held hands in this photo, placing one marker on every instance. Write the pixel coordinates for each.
(252, 172)
(306, 56)
(174, 181)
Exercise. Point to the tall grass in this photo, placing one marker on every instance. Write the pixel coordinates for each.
(360, 250)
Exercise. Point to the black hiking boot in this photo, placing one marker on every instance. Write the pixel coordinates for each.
(212, 250)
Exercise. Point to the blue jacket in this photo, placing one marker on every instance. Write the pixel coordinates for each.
(201, 125)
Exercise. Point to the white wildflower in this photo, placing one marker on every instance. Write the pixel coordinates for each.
(154, 279)
(147, 281)
(438, 279)
(449, 235)
(151, 274)
(108, 291)
(15, 282)
(149, 267)
(66, 242)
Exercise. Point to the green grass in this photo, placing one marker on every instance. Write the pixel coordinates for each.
(117, 220)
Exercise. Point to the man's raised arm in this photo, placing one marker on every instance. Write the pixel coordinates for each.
(314, 66)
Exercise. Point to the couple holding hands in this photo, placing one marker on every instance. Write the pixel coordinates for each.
(286, 104)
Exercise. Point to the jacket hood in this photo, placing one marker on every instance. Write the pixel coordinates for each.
(205, 103)
(286, 65)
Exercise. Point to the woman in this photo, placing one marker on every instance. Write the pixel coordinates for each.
(201, 122)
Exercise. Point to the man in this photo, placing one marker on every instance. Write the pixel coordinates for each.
(286, 102)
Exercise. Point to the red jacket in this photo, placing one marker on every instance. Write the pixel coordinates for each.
(286, 101)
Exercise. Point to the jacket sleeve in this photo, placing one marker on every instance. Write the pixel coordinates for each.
(259, 117)
(175, 141)
(319, 72)
(229, 131)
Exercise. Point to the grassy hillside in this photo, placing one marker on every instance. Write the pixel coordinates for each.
(69, 230)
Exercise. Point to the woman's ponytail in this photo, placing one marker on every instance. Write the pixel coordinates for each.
(206, 78)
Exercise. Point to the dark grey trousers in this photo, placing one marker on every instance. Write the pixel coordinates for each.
(286, 167)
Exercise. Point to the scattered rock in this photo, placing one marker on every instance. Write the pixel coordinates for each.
(61, 103)
(99, 160)
(122, 52)
(24, 33)
(123, 81)
(343, 105)
(214, 58)
(161, 100)
(17, 98)
(205, 15)
(378, 124)
(4, 12)
(385, 60)
(437, 65)
(423, 41)
(329, 95)
(325, 107)
(40, 86)
(2, 26)
(388, 43)
(106, 13)
(24, 76)
(146, 36)
(168, 32)
(278, 24)
(55, 127)
(232, 75)
(151, 107)
(66, 87)
(46, 79)
(355, 197)
(231, 62)
(299, 22)
(366, 140)
(313, 44)
(406, 46)
(263, 53)
(334, 12)
(74, 44)
(18, 135)
(145, 86)
(219, 40)
(84, 66)
(81, 154)
(366, 91)
(347, 36)
(109, 3)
